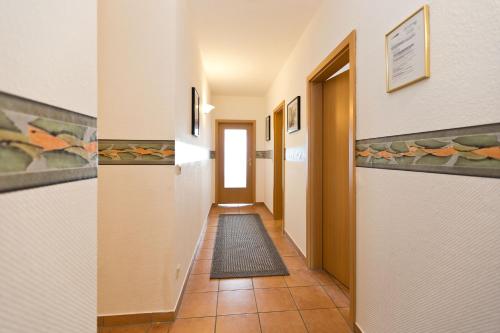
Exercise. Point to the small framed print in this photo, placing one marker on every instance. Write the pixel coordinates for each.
(407, 51)
(293, 115)
(268, 128)
(195, 112)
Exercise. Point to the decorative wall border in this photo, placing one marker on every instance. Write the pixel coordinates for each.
(264, 154)
(136, 152)
(470, 151)
(42, 145)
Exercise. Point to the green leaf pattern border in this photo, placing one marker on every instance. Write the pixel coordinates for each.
(469, 151)
(43, 145)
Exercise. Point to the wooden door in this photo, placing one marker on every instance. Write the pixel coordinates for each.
(336, 177)
(235, 162)
(278, 162)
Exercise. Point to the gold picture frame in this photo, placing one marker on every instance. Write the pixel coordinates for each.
(425, 70)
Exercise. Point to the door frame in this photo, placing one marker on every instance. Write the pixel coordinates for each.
(279, 156)
(344, 53)
(218, 160)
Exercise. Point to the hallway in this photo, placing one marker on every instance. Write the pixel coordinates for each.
(361, 140)
(305, 301)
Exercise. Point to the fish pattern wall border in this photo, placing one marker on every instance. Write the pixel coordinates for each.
(136, 152)
(43, 145)
(471, 151)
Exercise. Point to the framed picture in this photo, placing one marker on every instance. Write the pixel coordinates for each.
(407, 52)
(293, 115)
(195, 112)
(268, 128)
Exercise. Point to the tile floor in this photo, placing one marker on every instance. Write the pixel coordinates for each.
(305, 301)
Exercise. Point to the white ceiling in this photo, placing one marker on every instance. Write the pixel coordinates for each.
(244, 43)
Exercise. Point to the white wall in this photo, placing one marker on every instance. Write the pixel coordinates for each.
(136, 57)
(427, 259)
(150, 217)
(193, 180)
(136, 66)
(246, 108)
(48, 234)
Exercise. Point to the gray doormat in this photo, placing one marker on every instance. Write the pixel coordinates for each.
(244, 249)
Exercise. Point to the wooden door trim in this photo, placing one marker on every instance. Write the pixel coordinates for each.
(280, 107)
(217, 155)
(344, 52)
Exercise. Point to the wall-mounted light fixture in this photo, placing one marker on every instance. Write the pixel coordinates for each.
(207, 108)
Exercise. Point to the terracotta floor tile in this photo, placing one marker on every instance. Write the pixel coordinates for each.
(311, 298)
(236, 302)
(201, 267)
(345, 313)
(235, 284)
(194, 325)
(274, 299)
(246, 323)
(272, 223)
(218, 209)
(160, 328)
(201, 283)
(212, 221)
(324, 321)
(295, 263)
(274, 228)
(204, 254)
(211, 229)
(266, 217)
(275, 234)
(300, 278)
(269, 282)
(282, 322)
(281, 241)
(248, 209)
(198, 305)
(287, 250)
(264, 213)
(322, 277)
(283, 244)
(209, 235)
(231, 210)
(125, 329)
(207, 244)
(337, 295)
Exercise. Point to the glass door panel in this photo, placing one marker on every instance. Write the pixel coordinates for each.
(235, 158)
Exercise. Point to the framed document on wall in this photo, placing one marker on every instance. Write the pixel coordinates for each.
(407, 51)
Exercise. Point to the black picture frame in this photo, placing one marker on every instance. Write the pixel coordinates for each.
(293, 115)
(195, 112)
(268, 128)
